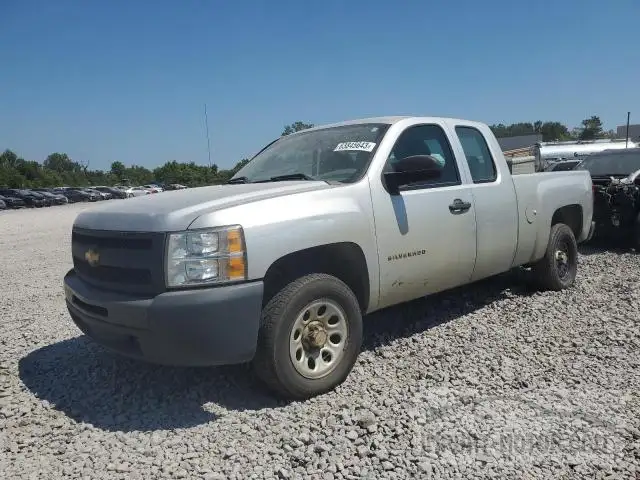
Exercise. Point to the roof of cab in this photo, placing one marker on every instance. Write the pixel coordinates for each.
(391, 119)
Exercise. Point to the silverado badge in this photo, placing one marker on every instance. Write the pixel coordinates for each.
(92, 257)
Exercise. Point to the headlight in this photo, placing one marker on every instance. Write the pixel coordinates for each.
(203, 257)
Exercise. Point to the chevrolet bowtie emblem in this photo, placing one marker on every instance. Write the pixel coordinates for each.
(92, 257)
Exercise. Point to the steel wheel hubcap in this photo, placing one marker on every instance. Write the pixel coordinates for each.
(318, 338)
(562, 260)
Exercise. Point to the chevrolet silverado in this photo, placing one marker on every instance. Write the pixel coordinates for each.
(279, 266)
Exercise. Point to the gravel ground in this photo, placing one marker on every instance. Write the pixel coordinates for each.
(490, 381)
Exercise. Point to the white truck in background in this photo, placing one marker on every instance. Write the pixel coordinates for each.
(320, 228)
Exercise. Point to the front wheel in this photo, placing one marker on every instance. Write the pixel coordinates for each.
(558, 268)
(310, 337)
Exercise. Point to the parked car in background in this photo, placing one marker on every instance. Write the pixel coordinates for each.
(100, 195)
(12, 202)
(31, 199)
(56, 198)
(3, 206)
(92, 196)
(175, 186)
(137, 191)
(72, 194)
(153, 188)
(616, 187)
(113, 191)
(48, 201)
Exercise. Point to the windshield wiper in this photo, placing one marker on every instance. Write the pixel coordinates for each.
(277, 178)
(291, 176)
(238, 180)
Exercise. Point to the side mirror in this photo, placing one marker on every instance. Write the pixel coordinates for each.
(416, 168)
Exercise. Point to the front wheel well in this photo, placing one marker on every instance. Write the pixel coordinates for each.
(570, 215)
(344, 260)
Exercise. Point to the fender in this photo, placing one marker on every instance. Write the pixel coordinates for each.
(277, 227)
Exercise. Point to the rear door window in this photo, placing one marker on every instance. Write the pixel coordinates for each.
(481, 163)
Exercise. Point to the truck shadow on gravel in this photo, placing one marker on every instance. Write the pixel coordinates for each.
(89, 385)
(600, 246)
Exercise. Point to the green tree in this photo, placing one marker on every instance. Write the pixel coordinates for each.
(239, 165)
(550, 131)
(295, 127)
(515, 129)
(60, 162)
(118, 170)
(138, 175)
(31, 171)
(554, 131)
(8, 159)
(537, 126)
(591, 128)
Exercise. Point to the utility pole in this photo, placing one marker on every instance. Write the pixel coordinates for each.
(626, 143)
(206, 124)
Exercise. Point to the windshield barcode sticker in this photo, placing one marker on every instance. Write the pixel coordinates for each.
(362, 146)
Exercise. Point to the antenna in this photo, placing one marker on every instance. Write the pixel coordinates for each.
(206, 124)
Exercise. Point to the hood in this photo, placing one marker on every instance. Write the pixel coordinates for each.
(177, 209)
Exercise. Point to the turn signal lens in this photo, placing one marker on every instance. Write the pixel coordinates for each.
(234, 241)
(236, 268)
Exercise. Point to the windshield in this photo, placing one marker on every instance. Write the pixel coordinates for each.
(616, 164)
(339, 154)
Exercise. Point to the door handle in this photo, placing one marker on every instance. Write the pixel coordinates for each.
(459, 206)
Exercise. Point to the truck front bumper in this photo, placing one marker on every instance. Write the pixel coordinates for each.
(196, 327)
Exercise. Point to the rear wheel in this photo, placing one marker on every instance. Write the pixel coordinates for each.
(558, 268)
(310, 337)
(635, 240)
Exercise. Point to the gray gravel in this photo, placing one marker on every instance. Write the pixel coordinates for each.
(490, 381)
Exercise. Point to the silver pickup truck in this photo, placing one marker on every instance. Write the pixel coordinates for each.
(321, 227)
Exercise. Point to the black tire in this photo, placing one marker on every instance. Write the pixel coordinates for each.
(635, 235)
(272, 363)
(548, 272)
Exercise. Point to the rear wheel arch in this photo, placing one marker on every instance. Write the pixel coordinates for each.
(570, 215)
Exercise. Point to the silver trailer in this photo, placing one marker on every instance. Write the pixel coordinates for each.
(550, 152)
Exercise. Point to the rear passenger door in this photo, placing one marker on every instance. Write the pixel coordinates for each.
(426, 243)
(495, 202)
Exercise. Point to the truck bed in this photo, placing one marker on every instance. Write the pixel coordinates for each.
(539, 195)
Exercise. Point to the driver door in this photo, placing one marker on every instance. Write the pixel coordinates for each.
(425, 244)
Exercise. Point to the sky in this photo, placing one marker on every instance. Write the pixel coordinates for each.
(129, 80)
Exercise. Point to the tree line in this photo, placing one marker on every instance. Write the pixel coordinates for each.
(591, 128)
(60, 170)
